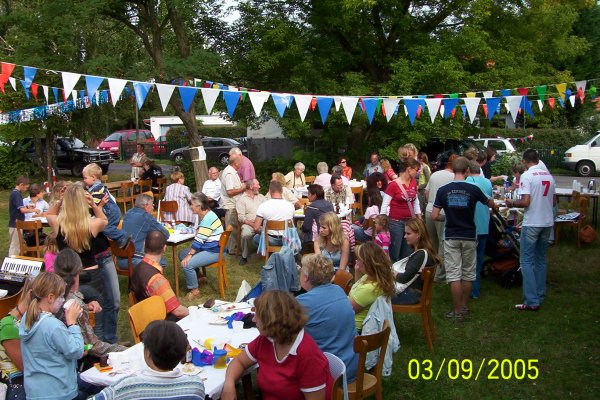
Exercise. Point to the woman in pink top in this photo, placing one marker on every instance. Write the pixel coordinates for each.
(400, 203)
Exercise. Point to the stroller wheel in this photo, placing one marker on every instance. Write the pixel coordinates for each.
(511, 278)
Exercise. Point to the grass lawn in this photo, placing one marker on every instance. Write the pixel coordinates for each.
(561, 339)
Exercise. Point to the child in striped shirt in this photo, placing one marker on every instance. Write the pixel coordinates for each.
(382, 227)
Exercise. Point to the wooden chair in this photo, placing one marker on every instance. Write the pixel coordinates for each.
(33, 227)
(145, 185)
(583, 203)
(309, 179)
(337, 369)
(132, 299)
(125, 195)
(221, 265)
(357, 191)
(170, 208)
(9, 302)
(423, 307)
(368, 384)
(273, 226)
(141, 314)
(127, 253)
(343, 279)
(104, 178)
(162, 184)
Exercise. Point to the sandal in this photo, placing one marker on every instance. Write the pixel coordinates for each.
(525, 307)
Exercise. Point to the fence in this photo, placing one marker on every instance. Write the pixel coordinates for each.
(552, 157)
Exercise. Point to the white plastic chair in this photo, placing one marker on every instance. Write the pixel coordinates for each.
(337, 368)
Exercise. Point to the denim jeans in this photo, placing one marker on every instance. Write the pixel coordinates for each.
(198, 260)
(359, 234)
(481, 242)
(399, 249)
(107, 323)
(273, 241)
(534, 244)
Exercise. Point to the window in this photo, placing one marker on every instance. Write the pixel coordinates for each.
(497, 144)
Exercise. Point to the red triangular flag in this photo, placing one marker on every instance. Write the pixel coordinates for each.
(383, 110)
(580, 94)
(313, 103)
(34, 90)
(419, 111)
(551, 102)
(485, 110)
(523, 91)
(7, 69)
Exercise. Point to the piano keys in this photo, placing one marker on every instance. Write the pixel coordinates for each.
(15, 270)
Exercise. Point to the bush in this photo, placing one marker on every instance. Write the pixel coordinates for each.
(548, 138)
(503, 164)
(14, 164)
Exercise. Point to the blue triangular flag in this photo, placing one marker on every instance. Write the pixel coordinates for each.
(449, 105)
(231, 97)
(463, 108)
(370, 107)
(561, 101)
(412, 106)
(567, 93)
(289, 104)
(29, 74)
(81, 94)
(92, 83)
(505, 92)
(141, 90)
(493, 105)
(187, 94)
(324, 104)
(26, 88)
(55, 92)
(526, 106)
(281, 102)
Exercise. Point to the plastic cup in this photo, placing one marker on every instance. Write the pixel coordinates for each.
(221, 359)
(238, 326)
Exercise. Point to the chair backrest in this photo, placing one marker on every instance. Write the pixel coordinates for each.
(142, 313)
(357, 191)
(126, 253)
(223, 241)
(309, 179)
(145, 185)
(125, 187)
(132, 299)
(9, 302)
(33, 227)
(365, 344)
(168, 207)
(337, 369)
(162, 184)
(274, 226)
(104, 178)
(343, 279)
(427, 275)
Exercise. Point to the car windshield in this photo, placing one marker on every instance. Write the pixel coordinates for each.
(74, 143)
(591, 140)
(114, 137)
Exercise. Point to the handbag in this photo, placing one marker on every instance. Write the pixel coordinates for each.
(400, 267)
(408, 202)
(291, 238)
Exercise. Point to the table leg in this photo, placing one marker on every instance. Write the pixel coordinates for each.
(595, 212)
(175, 270)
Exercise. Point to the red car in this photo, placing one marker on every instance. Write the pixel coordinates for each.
(113, 142)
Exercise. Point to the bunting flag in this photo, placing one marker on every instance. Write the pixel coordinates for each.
(349, 104)
(488, 93)
(55, 93)
(433, 106)
(449, 106)
(25, 88)
(164, 94)
(523, 91)
(505, 92)
(46, 95)
(471, 106)
(141, 90)
(526, 106)
(370, 104)
(232, 98)
(513, 103)
(92, 83)
(13, 83)
(74, 94)
(337, 102)
(412, 107)
(34, 90)
(116, 88)
(187, 95)
(470, 94)
(540, 104)
(485, 109)
(210, 96)
(29, 74)
(561, 88)
(572, 100)
(541, 91)
(324, 104)
(390, 105)
(580, 85)
(281, 101)
(302, 103)
(69, 81)
(551, 102)
(7, 69)
(258, 100)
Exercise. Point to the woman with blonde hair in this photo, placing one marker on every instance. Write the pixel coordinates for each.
(331, 243)
(291, 365)
(287, 193)
(375, 269)
(180, 193)
(415, 234)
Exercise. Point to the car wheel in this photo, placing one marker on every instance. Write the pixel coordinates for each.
(179, 158)
(224, 159)
(77, 169)
(585, 168)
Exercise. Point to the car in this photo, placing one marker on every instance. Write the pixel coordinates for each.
(69, 153)
(216, 148)
(113, 141)
(501, 145)
(159, 147)
(439, 150)
(584, 158)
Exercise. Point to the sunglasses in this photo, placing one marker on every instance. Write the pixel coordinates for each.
(343, 162)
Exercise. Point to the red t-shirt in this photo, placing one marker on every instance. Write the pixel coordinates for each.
(399, 204)
(304, 369)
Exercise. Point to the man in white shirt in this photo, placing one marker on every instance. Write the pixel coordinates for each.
(274, 209)
(537, 197)
(231, 190)
(324, 176)
(246, 207)
(212, 190)
(373, 166)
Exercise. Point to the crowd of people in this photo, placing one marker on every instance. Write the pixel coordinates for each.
(414, 219)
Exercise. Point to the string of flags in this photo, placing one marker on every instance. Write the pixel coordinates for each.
(514, 101)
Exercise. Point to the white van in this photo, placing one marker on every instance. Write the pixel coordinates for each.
(584, 158)
(500, 144)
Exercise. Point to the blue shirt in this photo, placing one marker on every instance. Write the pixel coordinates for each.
(15, 202)
(482, 211)
(458, 199)
(138, 223)
(331, 323)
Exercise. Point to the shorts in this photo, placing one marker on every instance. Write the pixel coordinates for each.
(460, 260)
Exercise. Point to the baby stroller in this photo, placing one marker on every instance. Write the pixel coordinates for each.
(503, 251)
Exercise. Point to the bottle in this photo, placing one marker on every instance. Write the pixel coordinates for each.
(188, 354)
(575, 185)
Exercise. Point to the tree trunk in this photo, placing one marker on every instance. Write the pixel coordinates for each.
(49, 156)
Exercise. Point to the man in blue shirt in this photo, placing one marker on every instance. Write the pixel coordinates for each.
(16, 211)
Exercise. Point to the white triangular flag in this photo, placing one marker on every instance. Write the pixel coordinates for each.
(581, 85)
(390, 107)
(572, 100)
(116, 88)
(349, 104)
(433, 106)
(540, 105)
(512, 104)
(74, 94)
(472, 103)
(210, 97)
(13, 83)
(45, 89)
(164, 94)
(258, 100)
(488, 93)
(337, 101)
(302, 102)
(69, 81)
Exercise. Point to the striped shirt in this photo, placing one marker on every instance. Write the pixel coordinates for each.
(148, 280)
(181, 194)
(209, 233)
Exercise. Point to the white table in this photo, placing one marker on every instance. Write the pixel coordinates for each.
(175, 239)
(562, 192)
(197, 329)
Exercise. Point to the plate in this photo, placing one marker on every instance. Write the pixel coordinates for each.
(193, 370)
(218, 321)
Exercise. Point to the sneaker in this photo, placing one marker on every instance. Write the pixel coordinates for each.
(192, 294)
(243, 261)
(525, 307)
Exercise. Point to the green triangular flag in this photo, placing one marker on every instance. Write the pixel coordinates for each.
(244, 94)
(541, 91)
(454, 96)
(593, 91)
(379, 102)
